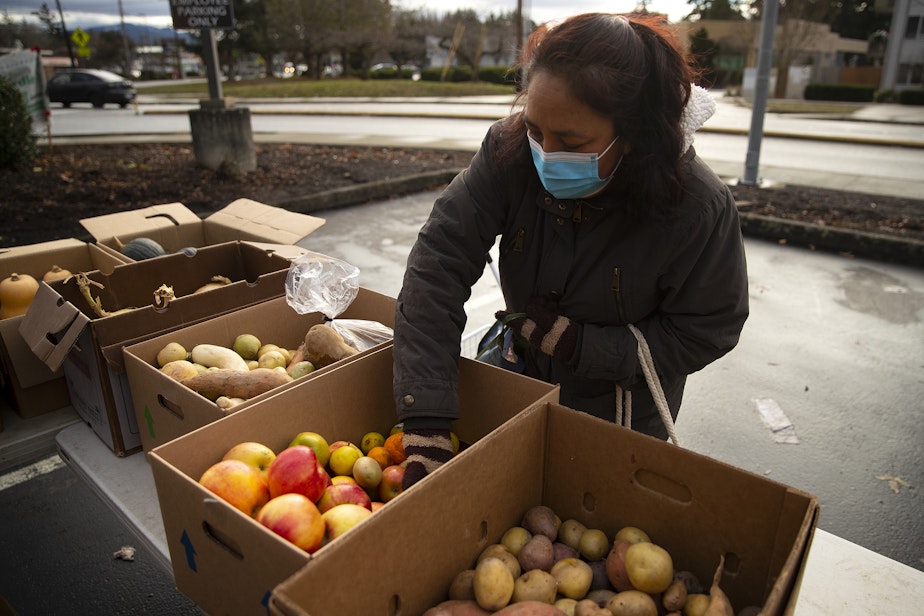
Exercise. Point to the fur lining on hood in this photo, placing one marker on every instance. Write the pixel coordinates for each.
(699, 108)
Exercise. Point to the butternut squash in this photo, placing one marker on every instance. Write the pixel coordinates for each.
(16, 293)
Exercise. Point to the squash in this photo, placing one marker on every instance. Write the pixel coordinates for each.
(16, 293)
(142, 248)
(56, 273)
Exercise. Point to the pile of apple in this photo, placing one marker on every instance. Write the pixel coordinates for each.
(311, 492)
(547, 567)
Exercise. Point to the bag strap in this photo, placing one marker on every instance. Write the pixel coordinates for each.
(624, 397)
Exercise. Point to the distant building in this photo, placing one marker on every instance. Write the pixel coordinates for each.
(903, 62)
(820, 55)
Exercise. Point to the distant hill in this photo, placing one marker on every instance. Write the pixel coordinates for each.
(145, 35)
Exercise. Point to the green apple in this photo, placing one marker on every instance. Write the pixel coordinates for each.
(316, 442)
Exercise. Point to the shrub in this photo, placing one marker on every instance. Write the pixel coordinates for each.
(18, 147)
(911, 97)
(839, 92)
(886, 96)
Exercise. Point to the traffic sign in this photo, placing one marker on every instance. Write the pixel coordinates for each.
(80, 37)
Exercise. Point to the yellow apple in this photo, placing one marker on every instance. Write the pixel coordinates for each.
(342, 459)
(342, 518)
(255, 454)
(295, 518)
(238, 483)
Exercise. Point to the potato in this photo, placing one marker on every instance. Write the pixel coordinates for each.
(455, 607)
(537, 553)
(675, 596)
(515, 538)
(498, 550)
(616, 566)
(179, 369)
(541, 520)
(530, 608)
(632, 603)
(566, 605)
(463, 585)
(650, 567)
(534, 585)
(573, 577)
(570, 532)
(563, 550)
(493, 584)
(589, 607)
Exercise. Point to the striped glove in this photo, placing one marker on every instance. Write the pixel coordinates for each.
(426, 450)
(544, 328)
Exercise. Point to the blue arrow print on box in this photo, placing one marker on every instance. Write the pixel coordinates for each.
(190, 551)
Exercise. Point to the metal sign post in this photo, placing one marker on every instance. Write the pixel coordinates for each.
(222, 135)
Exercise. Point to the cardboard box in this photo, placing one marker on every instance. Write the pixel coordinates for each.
(174, 226)
(28, 384)
(228, 563)
(583, 468)
(62, 329)
(165, 409)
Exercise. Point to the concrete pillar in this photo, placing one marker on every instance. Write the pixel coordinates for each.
(222, 136)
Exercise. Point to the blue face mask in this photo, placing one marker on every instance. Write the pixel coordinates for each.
(570, 175)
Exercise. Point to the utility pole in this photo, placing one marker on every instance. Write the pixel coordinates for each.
(761, 92)
(67, 37)
(126, 60)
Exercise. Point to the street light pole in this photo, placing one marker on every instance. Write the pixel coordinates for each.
(126, 61)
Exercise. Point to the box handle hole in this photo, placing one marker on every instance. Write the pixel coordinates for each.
(222, 540)
(172, 407)
(664, 486)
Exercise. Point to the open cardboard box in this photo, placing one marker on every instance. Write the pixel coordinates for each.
(403, 559)
(62, 329)
(174, 226)
(166, 409)
(228, 563)
(31, 387)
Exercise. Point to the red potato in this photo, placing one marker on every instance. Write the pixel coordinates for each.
(530, 608)
(457, 607)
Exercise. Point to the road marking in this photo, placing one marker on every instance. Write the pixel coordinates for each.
(36, 469)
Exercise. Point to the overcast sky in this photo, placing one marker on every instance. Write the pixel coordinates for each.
(89, 13)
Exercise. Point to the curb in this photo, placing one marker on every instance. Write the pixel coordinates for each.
(844, 242)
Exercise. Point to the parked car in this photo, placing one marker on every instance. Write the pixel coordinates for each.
(87, 85)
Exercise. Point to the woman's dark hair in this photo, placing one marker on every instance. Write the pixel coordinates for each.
(632, 69)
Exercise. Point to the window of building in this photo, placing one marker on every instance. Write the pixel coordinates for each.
(911, 28)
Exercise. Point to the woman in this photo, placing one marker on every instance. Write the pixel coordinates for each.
(608, 221)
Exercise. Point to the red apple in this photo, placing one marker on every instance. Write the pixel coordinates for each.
(376, 505)
(341, 518)
(391, 482)
(340, 493)
(296, 469)
(238, 483)
(295, 518)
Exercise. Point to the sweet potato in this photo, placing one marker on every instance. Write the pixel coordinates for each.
(236, 383)
(529, 608)
(457, 607)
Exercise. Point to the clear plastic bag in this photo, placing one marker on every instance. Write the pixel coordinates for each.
(318, 283)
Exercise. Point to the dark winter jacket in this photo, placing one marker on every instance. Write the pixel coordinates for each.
(683, 284)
